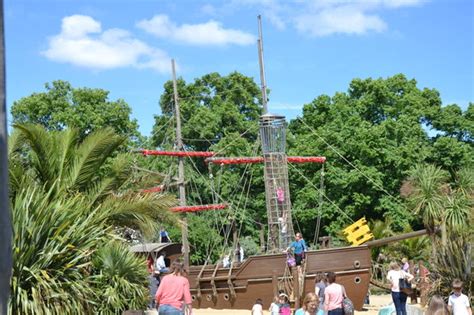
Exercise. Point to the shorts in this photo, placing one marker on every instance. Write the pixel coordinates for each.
(299, 259)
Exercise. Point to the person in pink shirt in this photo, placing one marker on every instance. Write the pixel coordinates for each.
(333, 296)
(173, 295)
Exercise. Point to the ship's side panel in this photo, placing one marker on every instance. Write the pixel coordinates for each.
(260, 276)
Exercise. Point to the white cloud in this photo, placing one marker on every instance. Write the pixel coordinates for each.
(209, 33)
(347, 19)
(327, 17)
(402, 3)
(82, 42)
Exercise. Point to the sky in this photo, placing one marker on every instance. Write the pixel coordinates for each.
(311, 47)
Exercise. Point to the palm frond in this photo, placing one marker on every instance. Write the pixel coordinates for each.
(42, 155)
(91, 156)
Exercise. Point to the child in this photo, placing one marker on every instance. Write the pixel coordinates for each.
(284, 304)
(458, 303)
(274, 307)
(257, 308)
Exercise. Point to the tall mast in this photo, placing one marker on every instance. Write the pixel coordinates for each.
(262, 66)
(182, 190)
(5, 221)
(277, 192)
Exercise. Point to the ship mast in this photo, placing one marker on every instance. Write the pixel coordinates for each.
(277, 192)
(262, 66)
(182, 190)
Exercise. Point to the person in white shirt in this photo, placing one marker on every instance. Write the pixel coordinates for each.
(458, 303)
(160, 264)
(399, 298)
(226, 261)
(257, 308)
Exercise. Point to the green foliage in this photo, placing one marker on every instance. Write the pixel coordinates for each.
(376, 127)
(212, 107)
(206, 241)
(58, 160)
(120, 281)
(250, 246)
(220, 114)
(52, 245)
(450, 204)
(372, 135)
(66, 197)
(427, 194)
(85, 109)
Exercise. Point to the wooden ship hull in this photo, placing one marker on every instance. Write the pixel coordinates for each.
(213, 286)
(263, 276)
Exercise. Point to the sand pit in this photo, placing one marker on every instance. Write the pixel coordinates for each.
(376, 303)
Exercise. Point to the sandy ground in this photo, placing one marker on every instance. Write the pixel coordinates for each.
(376, 303)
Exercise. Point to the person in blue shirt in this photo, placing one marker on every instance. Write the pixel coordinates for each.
(299, 248)
(164, 237)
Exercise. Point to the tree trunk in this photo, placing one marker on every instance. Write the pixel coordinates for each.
(444, 237)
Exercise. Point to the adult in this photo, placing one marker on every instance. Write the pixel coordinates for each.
(226, 261)
(164, 237)
(399, 297)
(333, 296)
(299, 248)
(310, 305)
(160, 263)
(437, 306)
(239, 253)
(320, 285)
(153, 283)
(173, 295)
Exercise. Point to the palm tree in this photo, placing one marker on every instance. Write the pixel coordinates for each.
(426, 192)
(450, 203)
(59, 162)
(67, 198)
(118, 277)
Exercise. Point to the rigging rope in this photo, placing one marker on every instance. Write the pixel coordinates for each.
(316, 188)
(352, 165)
(320, 208)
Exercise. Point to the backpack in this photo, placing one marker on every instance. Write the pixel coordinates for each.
(348, 306)
(290, 260)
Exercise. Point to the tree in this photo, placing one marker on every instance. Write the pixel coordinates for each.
(85, 109)
(220, 114)
(440, 199)
(67, 197)
(371, 135)
(212, 107)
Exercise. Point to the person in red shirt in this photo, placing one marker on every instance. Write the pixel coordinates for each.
(173, 295)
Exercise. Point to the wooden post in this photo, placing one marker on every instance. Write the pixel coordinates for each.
(296, 287)
(262, 65)
(262, 238)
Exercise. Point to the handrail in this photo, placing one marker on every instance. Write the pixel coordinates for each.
(229, 282)
(213, 281)
(199, 280)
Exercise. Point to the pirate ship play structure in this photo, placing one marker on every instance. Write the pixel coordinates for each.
(238, 285)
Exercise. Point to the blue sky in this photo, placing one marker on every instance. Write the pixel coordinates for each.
(312, 47)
